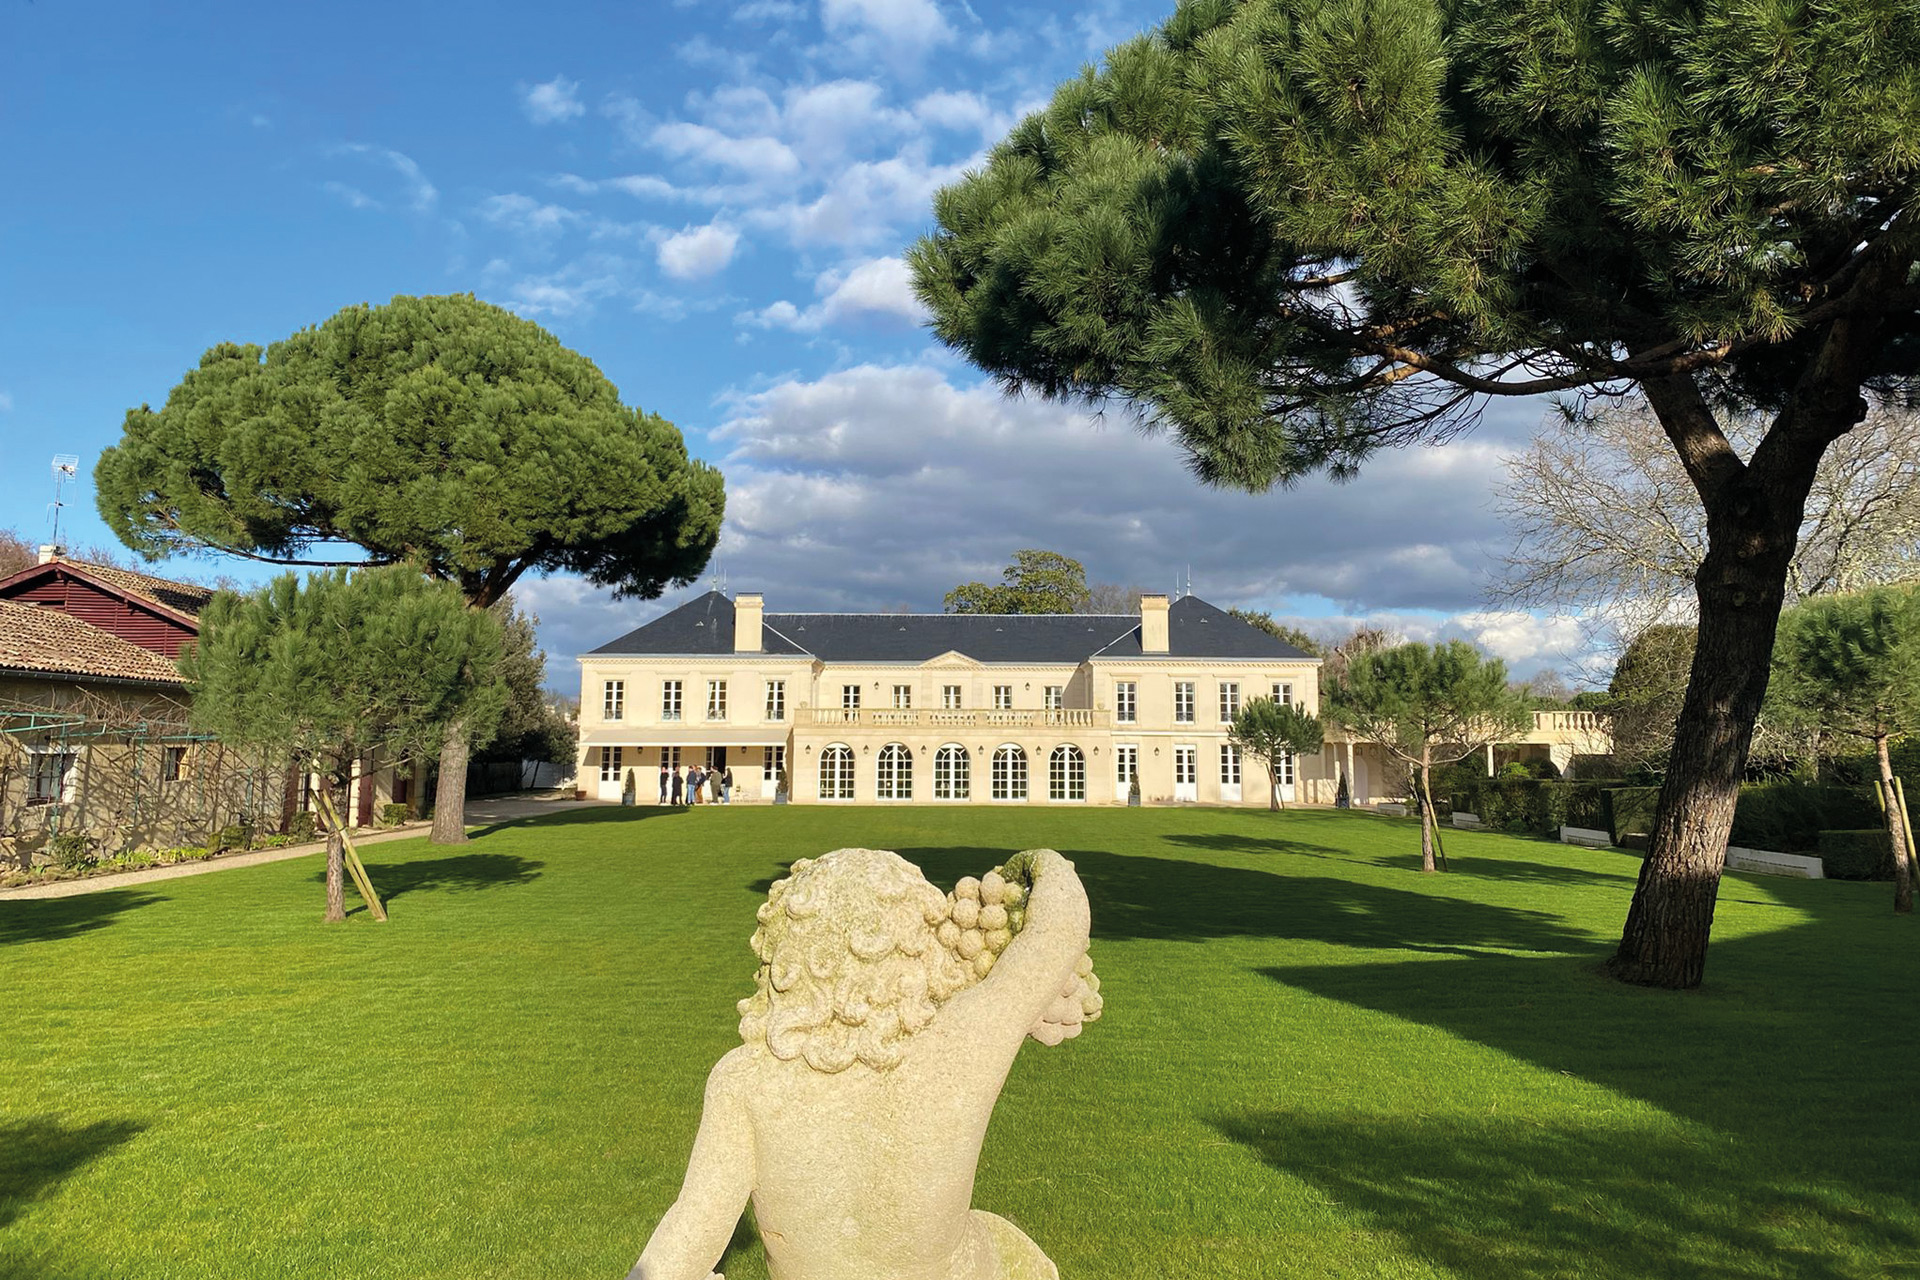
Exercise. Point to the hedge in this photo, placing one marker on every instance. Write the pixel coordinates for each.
(1530, 806)
(1784, 817)
(1857, 855)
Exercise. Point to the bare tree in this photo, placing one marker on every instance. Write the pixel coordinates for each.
(1112, 599)
(1604, 516)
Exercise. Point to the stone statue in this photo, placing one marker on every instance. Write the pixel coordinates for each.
(884, 1020)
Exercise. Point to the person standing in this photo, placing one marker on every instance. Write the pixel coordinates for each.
(663, 777)
(726, 785)
(678, 782)
(694, 779)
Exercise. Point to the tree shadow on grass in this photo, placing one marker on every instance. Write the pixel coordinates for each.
(597, 816)
(1504, 1197)
(50, 919)
(1219, 842)
(39, 1152)
(1191, 901)
(458, 873)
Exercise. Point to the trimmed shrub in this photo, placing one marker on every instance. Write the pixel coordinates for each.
(1788, 817)
(300, 827)
(1531, 806)
(1857, 855)
(1628, 811)
(392, 815)
(237, 836)
(71, 851)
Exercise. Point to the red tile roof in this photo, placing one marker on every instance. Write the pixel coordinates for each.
(33, 638)
(181, 597)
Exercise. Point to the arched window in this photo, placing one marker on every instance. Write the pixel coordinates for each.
(1009, 774)
(836, 773)
(1066, 774)
(896, 772)
(952, 773)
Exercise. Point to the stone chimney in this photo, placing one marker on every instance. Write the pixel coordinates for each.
(1153, 624)
(747, 608)
(51, 551)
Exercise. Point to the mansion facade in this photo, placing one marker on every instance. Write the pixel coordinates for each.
(944, 708)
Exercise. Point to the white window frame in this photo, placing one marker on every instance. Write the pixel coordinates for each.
(776, 700)
(894, 772)
(612, 768)
(903, 697)
(1229, 700)
(842, 771)
(716, 699)
(671, 700)
(1003, 697)
(1186, 761)
(849, 697)
(62, 777)
(1284, 766)
(671, 757)
(950, 697)
(1009, 772)
(1055, 698)
(1183, 702)
(1126, 765)
(1283, 692)
(771, 764)
(952, 772)
(1126, 702)
(613, 699)
(1066, 774)
(1230, 765)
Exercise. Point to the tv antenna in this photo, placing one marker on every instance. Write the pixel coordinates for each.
(66, 469)
(719, 575)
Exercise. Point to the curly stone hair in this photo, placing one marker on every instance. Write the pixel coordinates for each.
(851, 964)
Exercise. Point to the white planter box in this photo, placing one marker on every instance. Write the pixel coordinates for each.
(1467, 821)
(1397, 810)
(1587, 837)
(1768, 863)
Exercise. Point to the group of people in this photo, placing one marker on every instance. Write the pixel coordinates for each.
(678, 786)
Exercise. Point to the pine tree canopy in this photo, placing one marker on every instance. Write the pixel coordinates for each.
(1851, 663)
(1416, 699)
(1295, 231)
(439, 431)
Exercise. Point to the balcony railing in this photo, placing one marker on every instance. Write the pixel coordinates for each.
(1572, 722)
(930, 718)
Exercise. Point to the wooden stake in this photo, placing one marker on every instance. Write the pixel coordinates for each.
(1906, 822)
(351, 857)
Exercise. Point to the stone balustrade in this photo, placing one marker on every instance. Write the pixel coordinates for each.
(935, 718)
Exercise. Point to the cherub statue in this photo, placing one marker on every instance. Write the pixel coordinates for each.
(884, 1019)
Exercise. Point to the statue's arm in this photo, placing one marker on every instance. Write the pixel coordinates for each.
(1029, 976)
(694, 1233)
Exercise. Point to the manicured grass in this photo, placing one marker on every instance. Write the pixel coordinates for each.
(1314, 1061)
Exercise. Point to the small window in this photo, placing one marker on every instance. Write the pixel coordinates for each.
(776, 699)
(1056, 697)
(895, 780)
(670, 756)
(902, 697)
(51, 780)
(610, 763)
(1283, 693)
(1229, 700)
(716, 699)
(173, 764)
(613, 700)
(1126, 701)
(836, 773)
(1229, 765)
(952, 773)
(670, 700)
(771, 766)
(1003, 697)
(1009, 774)
(1183, 702)
(849, 697)
(1066, 774)
(950, 697)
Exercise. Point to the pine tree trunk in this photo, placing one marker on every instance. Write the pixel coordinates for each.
(1896, 833)
(1427, 862)
(336, 860)
(450, 797)
(1741, 587)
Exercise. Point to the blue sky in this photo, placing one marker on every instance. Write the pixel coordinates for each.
(710, 201)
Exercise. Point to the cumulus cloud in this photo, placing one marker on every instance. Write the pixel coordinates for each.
(555, 102)
(694, 253)
(525, 214)
(759, 157)
(907, 25)
(877, 289)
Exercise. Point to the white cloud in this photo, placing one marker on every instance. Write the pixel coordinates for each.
(877, 288)
(354, 197)
(696, 252)
(555, 102)
(907, 25)
(420, 194)
(769, 11)
(525, 214)
(758, 157)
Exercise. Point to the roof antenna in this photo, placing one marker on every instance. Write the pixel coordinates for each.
(66, 467)
(719, 575)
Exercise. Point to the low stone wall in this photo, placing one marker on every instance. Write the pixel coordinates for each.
(1767, 863)
(1586, 837)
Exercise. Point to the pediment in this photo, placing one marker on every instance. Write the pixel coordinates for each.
(952, 660)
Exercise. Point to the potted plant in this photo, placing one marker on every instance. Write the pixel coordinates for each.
(1133, 792)
(780, 792)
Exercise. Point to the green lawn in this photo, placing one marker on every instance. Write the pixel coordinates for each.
(1314, 1061)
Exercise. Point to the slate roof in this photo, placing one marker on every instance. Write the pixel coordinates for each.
(37, 639)
(1195, 629)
